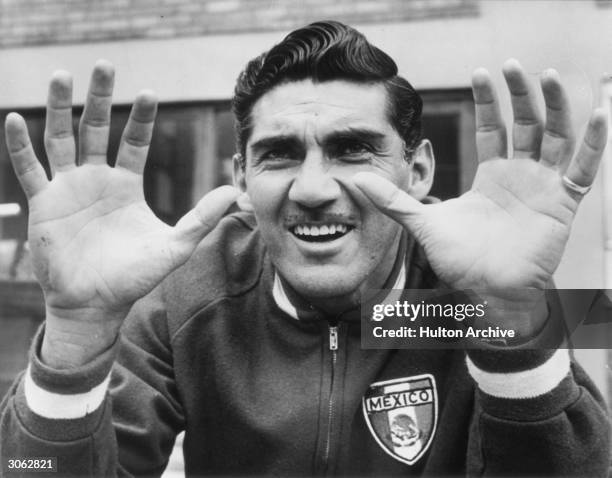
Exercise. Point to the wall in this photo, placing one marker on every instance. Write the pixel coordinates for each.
(36, 22)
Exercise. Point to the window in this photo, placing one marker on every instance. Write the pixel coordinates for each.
(448, 122)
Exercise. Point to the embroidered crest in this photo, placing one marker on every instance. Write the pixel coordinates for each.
(402, 415)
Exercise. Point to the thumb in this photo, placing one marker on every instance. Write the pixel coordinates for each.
(202, 219)
(390, 199)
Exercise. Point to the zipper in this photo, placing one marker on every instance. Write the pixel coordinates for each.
(333, 347)
(333, 339)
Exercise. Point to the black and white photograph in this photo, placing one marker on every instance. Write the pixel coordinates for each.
(293, 238)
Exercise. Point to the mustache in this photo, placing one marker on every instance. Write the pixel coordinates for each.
(319, 217)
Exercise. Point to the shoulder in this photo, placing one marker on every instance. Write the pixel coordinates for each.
(227, 263)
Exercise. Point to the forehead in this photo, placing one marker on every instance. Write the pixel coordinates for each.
(303, 106)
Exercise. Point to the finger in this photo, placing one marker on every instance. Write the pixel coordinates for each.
(28, 169)
(137, 134)
(490, 129)
(559, 141)
(583, 168)
(59, 136)
(198, 222)
(390, 199)
(527, 128)
(94, 126)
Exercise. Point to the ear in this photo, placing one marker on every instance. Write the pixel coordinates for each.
(239, 177)
(423, 168)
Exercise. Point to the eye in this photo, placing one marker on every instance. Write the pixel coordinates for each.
(277, 154)
(352, 150)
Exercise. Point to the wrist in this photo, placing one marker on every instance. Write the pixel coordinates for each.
(75, 337)
(523, 311)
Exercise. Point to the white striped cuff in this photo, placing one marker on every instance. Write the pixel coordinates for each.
(61, 406)
(526, 384)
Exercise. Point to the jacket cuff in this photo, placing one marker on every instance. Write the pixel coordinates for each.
(63, 404)
(60, 405)
(529, 395)
(57, 429)
(491, 357)
(70, 381)
(530, 383)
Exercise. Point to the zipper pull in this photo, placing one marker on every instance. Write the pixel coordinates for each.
(333, 337)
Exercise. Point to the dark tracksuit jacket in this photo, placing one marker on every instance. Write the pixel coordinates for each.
(262, 387)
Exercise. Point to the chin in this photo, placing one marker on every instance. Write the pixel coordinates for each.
(323, 282)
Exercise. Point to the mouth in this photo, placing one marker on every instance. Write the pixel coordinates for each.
(320, 232)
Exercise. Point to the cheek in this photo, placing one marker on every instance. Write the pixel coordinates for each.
(400, 176)
(268, 194)
(379, 230)
(394, 170)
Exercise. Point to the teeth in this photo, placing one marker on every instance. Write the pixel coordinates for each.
(320, 230)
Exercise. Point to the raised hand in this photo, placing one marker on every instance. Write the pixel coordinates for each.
(96, 245)
(510, 230)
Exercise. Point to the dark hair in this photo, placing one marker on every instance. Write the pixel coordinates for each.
(325, 51)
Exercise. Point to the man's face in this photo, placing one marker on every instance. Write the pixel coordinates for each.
(307, 141)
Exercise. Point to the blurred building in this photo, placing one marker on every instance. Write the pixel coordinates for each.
(191, 51)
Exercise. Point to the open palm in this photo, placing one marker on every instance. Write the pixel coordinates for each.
(95, 243)
(497, 236)
(510, 230)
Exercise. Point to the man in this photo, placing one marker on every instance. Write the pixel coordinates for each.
(248, 335)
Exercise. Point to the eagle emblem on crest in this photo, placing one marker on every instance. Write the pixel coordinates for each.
(402, 415)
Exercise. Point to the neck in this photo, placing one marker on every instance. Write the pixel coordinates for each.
(387, 276)
(335, 306)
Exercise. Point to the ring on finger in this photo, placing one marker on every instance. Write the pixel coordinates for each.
(573, 187)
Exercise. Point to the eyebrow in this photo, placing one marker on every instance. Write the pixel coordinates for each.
(276, 141)
(360, 134)
(290, 140)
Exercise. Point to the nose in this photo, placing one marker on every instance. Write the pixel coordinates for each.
(313, 185)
